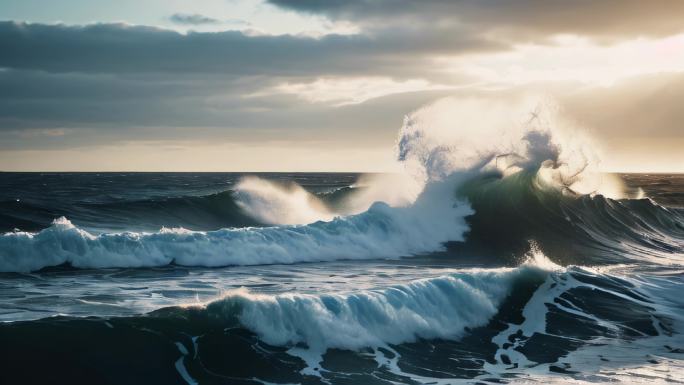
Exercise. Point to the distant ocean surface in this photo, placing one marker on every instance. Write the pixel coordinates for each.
(185, 278)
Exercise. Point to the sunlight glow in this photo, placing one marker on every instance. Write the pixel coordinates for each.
(571, 58)
(343, 91)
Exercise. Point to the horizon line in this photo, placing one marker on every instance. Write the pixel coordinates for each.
(274, 172)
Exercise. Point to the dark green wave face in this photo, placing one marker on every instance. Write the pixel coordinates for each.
(513, 211)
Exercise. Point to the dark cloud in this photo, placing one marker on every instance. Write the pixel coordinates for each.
(96, 109)
(192, 19)
(533, 19)
(39, 100)
(118, 48)
(109, 82)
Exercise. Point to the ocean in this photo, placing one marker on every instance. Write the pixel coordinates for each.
(188, 278)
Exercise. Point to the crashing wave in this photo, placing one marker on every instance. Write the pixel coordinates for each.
(431, 308)
(508, 159)
(382, 231)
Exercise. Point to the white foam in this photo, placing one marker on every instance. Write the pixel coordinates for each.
(381, 232)
(430, 308)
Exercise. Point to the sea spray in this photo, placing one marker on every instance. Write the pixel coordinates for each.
(279, 204)
(442, 146)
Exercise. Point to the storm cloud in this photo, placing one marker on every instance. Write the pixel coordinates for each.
(65, 86)
(120, 48)
(531, 19)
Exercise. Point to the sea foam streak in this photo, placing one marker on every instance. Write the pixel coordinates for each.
(446, 308)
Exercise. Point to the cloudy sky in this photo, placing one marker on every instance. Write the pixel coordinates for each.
(304, 85)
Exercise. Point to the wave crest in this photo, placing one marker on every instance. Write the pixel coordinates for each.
(442, 307)
(512, 162)
(380, 232)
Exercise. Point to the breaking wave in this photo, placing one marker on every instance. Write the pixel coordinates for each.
(382, 231)
(498, 174)
(467, 325)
